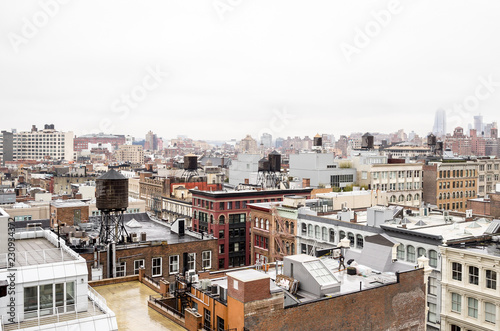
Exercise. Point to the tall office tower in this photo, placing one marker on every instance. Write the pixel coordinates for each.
(266, 140)
(478, 125)
(439, 129)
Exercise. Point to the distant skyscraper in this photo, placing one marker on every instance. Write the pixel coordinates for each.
(439, 129)
(151, 142)
(279, 142)
(267, 140)
(478, 125)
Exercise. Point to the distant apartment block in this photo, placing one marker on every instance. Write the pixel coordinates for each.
(130, 153)
(40, 144)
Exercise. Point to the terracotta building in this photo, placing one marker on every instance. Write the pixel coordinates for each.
(449, 185)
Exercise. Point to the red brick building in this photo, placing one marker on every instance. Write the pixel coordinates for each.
(227, 216)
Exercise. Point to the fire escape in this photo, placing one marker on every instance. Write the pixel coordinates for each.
(283, 236)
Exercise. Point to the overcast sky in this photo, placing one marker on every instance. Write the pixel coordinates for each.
(219, 69)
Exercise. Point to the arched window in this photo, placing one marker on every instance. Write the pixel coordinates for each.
(292, 228)
(401, 252)
(304, 229)
(466, 194)
(461, 194)
(408, 198)
(317, 232)
(448, 195)
(393, 198)
(194, 215)
(440, 196)
(261, 223)
(310, 232)
(453, 195)
(350, 236)
(410, 253)
(341, 235)
(332, 235)
(359, 241)
(211, 219)
(433, 258)
(401, 198)
(324, 234)
(417, 197)
(421, 252)
(267, 225)
(222, 219)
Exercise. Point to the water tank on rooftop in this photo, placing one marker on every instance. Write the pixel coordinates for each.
(431, 140)
(264, 165)
(318, 141)
(111, 191)
(275, 161)
(190, 162)
(367, 141)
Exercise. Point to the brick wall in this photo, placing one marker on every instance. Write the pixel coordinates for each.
(495, 204)
(248, 291)
(399, 306)
(163, 250)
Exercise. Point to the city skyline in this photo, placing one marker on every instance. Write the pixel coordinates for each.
(178, 69)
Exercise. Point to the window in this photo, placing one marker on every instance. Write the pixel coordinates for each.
(491, 279)
(350, 236)
(206, 259)
(191, 261)
(456, 271)
(490, 312)
(156, 266)
(222, 219)
(324, 234)
(431, 316)
(207, 320)
(121, 269)
(304, 229)
(173, 264)
(221, 249)
(341, 235)
(310, 230)
(432, 286)
(456, 303)
(421, 252)
(220, 324)
(472, 307)
(401, 252)
(433, 256)
(473, 275)
(359, 241)
(137, 265)
(332, 235)
(410, 253)
(316, 231)
(221, 234)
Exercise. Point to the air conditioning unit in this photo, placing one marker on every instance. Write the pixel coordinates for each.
(194, 279)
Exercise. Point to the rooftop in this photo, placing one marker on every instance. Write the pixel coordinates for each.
(129, 302)
(38, 247)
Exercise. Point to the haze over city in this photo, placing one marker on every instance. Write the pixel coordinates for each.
(225, 70)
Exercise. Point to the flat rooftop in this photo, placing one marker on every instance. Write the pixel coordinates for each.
(155, 230)
(37, 251)
(129, 302)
